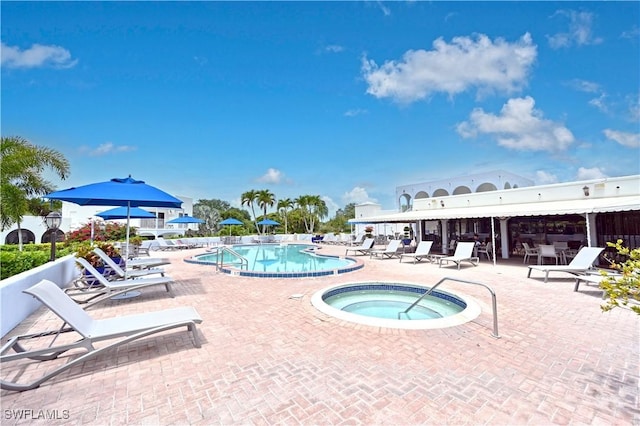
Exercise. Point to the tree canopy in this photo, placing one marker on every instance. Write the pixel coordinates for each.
(21, 179)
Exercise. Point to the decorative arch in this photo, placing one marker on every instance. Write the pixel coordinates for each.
(507, 185)
(440, 192)
(46, 237)
(28, 237)
(487, 186)
(405, 202)
(421, 194)
(462, 190)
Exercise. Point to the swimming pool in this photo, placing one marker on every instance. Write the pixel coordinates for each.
(384, 304)
(279, 261)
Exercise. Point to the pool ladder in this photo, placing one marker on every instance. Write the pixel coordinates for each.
(493, 301)
(221, 250)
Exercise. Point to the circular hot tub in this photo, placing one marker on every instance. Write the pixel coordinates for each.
(393, 305)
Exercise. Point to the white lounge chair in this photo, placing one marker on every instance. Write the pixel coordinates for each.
(391, 250)
(579, 265)
(487, 250)
(128, 273)
(357, 240)
(529, 252)
(463, 253)
(547, 250)
(422, 252)
(147, 262)
(170, 245)
(107, 289)
(365, 248)
(90, 330)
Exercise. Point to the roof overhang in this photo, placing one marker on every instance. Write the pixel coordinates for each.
(583, 206)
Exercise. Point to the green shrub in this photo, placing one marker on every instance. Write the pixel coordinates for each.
(625, 287)
(13, 261)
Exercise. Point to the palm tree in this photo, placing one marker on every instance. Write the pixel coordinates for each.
(284, 205)
(318, 209)
(265, 198)
(22, 166)
(248, 198)
(313, 208)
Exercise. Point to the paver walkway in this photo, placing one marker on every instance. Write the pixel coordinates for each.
(268, 358)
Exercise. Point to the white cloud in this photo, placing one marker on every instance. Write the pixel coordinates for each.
(332, 206)
(272, 175)
(634, 108)
(544, 178)
(355, 112)
(579, 32)
(334, 48)
(593, 173)
(36, 56)
(585, 86)
(601, 101)
(200, 60)
(518, 126)
(385, 10)
(452, 68)
(357, 195)
(631, 140)
(633, 33)
(106, 149)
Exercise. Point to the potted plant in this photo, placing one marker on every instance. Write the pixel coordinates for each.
(406, 240)
(368, 231)
(85, 251)
(135, 240)
(110, 251)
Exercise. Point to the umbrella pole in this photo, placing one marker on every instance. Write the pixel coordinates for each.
(126, 250)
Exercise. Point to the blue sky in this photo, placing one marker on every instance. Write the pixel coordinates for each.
(346, 100)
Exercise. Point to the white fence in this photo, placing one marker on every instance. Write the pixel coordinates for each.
(16, 305)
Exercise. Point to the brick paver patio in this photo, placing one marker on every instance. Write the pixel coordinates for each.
(267, 358)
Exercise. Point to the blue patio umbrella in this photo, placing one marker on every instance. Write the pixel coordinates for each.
(231, 221)
(121, 213)
(126, 192)
(186, 219)
(267, 222)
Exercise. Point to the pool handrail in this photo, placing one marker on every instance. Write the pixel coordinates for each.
(220, 259)
(493, 300)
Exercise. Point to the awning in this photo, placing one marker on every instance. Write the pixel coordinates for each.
(591, 205)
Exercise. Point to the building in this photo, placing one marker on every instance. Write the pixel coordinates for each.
(590, 212)
(74, 216)
(481, 182)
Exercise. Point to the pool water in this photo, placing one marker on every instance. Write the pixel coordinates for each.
(389, 302)
(383, 305)
(281, 260)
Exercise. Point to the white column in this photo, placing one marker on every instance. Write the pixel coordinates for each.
(445, 235)
(504, 237)
(592, 235)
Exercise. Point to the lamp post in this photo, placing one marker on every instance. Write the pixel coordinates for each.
(53, 221)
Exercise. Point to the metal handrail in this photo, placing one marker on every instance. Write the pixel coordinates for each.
(493, 300)
(220, 259)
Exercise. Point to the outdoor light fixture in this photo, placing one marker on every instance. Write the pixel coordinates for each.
(585, 189)
(442, 203)
(53, 221)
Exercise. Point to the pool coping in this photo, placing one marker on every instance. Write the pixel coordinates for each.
(357, 264)
(471, 312)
